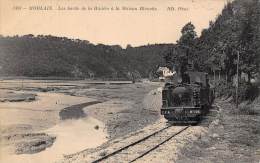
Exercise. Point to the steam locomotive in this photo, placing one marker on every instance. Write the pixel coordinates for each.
(189, 99)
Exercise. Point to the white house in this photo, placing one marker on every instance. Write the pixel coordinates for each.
(165, 72)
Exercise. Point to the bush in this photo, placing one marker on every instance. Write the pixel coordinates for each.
(223, 89)
(247, 110)
(246, 91)
(252, 92)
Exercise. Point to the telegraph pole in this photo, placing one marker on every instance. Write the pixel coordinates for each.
(237, 80)
(214, 71)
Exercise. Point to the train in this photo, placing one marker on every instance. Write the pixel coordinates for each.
(189, 99)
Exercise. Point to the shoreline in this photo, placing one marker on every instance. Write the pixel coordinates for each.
(110, 110)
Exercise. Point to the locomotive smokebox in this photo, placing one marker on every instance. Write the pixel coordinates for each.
(180, 90)
(181, 96)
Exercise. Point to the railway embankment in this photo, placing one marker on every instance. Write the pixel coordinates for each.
(153, 143)
(232, 137)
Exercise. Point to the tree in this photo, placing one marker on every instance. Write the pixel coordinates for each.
(248, 39)
(188, 35)
(187, 46)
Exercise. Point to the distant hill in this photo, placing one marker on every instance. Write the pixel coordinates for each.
(44, 56)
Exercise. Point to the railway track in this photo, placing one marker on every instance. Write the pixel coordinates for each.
(142, 147)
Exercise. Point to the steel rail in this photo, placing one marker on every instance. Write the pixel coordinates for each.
(132, 144)
(150, 150)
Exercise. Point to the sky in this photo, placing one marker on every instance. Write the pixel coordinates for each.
(112, 27)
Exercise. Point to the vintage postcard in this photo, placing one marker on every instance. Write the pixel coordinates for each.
(129, 81)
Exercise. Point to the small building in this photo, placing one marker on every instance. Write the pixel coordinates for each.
(165, 72)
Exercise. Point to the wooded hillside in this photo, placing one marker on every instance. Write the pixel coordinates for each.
(235, 31)
(55, 56)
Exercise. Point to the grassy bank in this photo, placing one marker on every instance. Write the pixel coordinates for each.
(233, 137)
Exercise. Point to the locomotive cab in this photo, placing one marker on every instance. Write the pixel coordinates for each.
(188, 100)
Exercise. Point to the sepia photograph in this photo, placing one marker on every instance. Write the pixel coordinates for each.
(122, 81)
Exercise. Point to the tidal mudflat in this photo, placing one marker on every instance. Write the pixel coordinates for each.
(57, 118)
